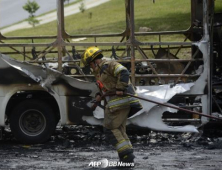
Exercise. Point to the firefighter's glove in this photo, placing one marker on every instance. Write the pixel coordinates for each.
(98, 98)
(96, 103)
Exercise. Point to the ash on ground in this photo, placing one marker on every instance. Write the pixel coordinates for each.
(74, 147)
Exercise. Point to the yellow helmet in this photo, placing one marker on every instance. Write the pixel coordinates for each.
(90, 54)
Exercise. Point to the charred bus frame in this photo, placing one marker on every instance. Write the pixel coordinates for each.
(202, 11)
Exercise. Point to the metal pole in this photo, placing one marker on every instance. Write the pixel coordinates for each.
(60, 30)
(127, 31)
(132, 41)
(207, 39)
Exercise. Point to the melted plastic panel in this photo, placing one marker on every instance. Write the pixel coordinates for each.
(160, 94)
(202, 81)
(151, 115)
(153, 120)
(10, 75)
(52, 80)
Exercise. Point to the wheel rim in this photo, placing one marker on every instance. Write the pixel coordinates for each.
(32, 122)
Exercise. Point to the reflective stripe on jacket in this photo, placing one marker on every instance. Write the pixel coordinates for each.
(121, 101)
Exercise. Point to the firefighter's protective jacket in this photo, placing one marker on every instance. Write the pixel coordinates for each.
(115, 76)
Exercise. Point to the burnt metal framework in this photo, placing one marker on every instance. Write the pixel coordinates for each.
(200, 10)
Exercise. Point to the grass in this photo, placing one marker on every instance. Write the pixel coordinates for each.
(163, 15)
(110, 18)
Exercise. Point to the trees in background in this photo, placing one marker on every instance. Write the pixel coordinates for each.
(31, 7)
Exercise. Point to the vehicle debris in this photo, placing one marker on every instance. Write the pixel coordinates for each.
(47, 78)
(85, 142)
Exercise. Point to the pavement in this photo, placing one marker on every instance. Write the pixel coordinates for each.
(77, 147)
(69, 10)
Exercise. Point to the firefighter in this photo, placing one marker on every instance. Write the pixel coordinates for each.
(112, 76)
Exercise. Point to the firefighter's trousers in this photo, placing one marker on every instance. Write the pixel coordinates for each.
(115, 130)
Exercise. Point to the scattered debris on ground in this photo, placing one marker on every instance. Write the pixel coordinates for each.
(74, 147)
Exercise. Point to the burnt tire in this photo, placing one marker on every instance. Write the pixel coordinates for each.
(32, 122)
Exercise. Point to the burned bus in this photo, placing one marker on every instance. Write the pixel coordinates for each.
(43, 82)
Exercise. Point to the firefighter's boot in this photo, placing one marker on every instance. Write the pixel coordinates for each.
(127, 156)
(127, 160)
